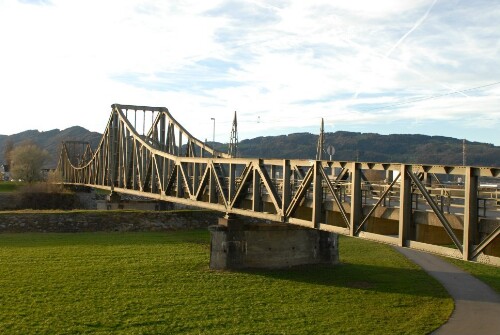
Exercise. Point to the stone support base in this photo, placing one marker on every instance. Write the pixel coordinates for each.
(235, 245)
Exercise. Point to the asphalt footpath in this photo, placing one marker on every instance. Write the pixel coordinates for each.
(477, 306)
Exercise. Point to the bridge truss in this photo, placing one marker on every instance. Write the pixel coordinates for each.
(144, 151)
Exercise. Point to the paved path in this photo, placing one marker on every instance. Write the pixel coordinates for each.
(477, 306)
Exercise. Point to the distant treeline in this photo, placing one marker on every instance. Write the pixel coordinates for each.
(349, 146)
(370, 147)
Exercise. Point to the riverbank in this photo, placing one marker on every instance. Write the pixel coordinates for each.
(56, 221)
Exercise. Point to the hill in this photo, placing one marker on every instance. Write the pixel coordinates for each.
(51, 140)
(349, 146)
(370, 147)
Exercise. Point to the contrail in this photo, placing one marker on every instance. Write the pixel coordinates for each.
(415, 26)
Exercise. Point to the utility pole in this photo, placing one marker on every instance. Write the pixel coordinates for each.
(321, 141)
(464, 154)
(233, 141)
(261, 139)
(213, 137)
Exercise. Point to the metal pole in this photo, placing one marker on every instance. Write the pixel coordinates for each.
(213, 137)
(464, 160)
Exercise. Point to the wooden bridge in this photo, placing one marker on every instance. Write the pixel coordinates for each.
(144, 151)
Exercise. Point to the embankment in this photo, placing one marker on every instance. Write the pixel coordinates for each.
(91, 221)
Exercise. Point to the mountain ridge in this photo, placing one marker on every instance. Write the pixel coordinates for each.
(50, 140)
(349, 146)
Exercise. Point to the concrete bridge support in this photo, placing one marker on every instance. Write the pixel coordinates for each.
(238, 245)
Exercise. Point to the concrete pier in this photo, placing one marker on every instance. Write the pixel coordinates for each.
(237, 245)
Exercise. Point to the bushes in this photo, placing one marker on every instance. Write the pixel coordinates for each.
(46, 196)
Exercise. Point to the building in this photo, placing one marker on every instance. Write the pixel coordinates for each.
(4, 172)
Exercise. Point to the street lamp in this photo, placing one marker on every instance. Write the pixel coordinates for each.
(213, 137)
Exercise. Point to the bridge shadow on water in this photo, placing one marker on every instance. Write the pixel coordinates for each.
(365, 277)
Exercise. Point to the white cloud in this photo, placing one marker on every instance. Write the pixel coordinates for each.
(64, 63)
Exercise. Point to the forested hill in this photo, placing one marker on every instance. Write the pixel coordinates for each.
(50, 140)
(368, 147)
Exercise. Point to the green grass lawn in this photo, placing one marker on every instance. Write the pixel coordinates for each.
(159, 283)
(9, 186)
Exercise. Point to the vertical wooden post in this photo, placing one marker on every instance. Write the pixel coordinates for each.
(405, 205)
(356, 208)
(471, 233)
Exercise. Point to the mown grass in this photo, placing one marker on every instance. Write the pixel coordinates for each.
(9, 186)
(159, 283)
(487, 273)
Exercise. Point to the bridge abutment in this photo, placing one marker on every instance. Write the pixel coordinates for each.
(237, 245)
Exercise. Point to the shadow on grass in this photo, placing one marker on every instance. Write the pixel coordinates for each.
(360, 277)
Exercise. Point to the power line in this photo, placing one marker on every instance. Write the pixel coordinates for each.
(266, 121)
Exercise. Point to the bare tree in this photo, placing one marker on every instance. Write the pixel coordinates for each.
(27, 160)
(7, 149)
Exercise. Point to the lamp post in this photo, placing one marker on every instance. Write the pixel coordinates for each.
(464, 155)
(213, 137)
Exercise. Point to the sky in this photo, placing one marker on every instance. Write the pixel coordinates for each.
(388, 66)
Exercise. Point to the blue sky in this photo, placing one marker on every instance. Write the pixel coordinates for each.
(387, 66)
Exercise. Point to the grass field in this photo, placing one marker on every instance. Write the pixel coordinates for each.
(159, 283)
(8, 186)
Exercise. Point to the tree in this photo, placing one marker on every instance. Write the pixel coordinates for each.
(27, 160)
(7, 149)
